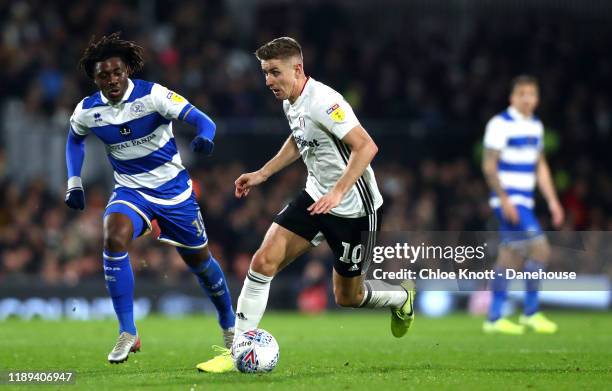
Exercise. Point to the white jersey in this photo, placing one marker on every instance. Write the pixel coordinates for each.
(137, 133)
(319, 119)
(519, 140)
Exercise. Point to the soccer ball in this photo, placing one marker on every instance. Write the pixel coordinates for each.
(255, 351)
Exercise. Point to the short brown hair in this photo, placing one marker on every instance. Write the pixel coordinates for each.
(522, 80)
(279, 48)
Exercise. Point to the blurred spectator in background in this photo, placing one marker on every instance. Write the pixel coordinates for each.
(314, 291)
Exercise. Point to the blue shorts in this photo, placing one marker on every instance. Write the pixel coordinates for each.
(181, 225)
(528, 227)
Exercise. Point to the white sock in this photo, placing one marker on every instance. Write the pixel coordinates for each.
(252, 301)
(379, 294)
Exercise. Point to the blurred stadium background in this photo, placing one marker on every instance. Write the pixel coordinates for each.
(423, 76)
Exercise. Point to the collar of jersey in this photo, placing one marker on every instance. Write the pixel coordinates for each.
(514, 113)
(125, 97)
(303, 93)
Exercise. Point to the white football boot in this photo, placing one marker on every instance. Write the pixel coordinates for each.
(125, 344)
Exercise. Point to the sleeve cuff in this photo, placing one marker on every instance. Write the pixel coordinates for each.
(75, 182)
(342, 131)
(188, 107)
(76, 135)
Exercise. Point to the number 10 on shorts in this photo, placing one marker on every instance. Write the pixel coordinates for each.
(199, 224)
(355, 255)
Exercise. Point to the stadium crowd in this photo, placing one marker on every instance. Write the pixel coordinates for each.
(446, 82)
(447, 72)
(39, 235)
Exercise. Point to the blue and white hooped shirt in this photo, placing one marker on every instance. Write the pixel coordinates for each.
(137, 133)
(519, 140)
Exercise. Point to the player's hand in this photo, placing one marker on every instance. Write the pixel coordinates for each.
(246, 181)
(558, 215)
(326, 203)
(75, 198)
(202, 145)
(509, 211)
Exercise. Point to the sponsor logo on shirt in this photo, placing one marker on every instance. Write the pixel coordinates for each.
(131, 143)
(302, 142)
(125, 130)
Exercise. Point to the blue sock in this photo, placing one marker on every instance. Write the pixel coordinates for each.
(532, 288)
(120, 284)
(499, 286)
(211, 279)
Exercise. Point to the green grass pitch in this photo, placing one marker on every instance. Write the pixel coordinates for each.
(343, 350)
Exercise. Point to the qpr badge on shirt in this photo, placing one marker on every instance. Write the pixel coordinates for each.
(137, 108)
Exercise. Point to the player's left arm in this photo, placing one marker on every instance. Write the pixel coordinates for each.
(547, 188)
(363, 150)
(203, 141)
(173, 106)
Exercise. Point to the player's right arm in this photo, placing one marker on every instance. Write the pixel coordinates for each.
(75, 154)
(288, 153)
(494, 141)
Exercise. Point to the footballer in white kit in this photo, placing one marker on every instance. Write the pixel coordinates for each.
(319, 119)
(340, 202)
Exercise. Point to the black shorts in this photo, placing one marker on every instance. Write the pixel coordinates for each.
(352, 240)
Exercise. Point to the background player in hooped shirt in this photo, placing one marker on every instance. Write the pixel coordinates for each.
(341, 200)
(513, 162)
(134, 120)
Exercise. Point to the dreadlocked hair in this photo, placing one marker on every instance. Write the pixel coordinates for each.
(111, 46)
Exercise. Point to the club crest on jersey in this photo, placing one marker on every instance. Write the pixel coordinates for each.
(336, 113)
(125, 130)
(137, 107)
